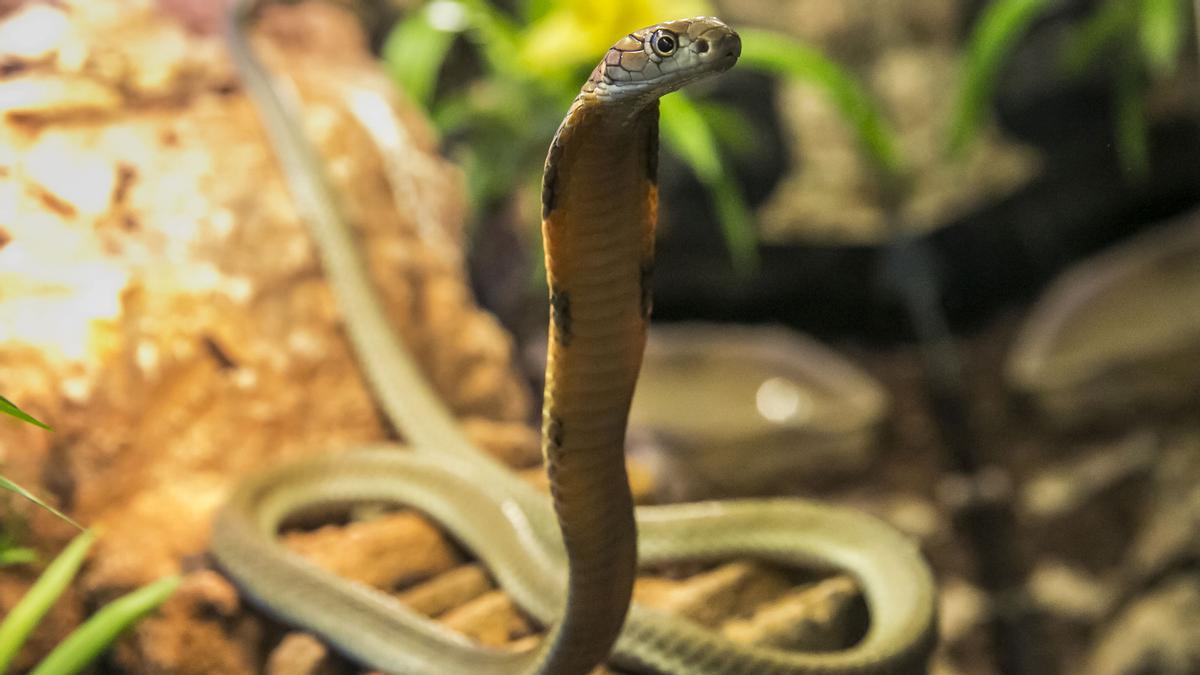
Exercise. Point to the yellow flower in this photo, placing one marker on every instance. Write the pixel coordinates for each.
(578, 32)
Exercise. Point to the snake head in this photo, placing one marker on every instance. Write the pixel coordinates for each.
(659, 59)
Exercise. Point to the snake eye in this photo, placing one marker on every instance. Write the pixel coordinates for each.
(664, 42)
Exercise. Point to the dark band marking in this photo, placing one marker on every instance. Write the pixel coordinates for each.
(562, 138)
(552, 443)
(560, 314)
(554, 432)
(550, 176)
(647, 286)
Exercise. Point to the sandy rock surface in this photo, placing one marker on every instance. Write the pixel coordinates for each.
(161, 303)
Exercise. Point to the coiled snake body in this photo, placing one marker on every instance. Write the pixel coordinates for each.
(599, 210)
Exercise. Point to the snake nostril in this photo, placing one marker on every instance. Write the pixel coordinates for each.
(702, 46)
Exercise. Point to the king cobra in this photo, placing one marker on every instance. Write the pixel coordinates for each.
(570, 560)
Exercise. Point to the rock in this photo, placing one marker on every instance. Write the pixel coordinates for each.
(178, 512)
(386, 552)
(1117, 333)
(1087, 509)
(200, 629)
(754, 604)
(1157, 633)
(1060, 491)
(448, 590)
(792, 412)
(962, 609)
(303, 654)
(1068, 593)
(1170, 534)
(491, 619)
(917, 517)
(729, 590)
(824, 616)
(161, 303)
(516, 444)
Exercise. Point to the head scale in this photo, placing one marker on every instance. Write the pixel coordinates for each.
(659, 59)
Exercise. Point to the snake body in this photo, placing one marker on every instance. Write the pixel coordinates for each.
(570, 561)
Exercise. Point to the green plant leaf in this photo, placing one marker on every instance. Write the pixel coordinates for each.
(997, 32)
(414, 52)
(96, 635)
(1133, 132)
(7, 407)
(17, 555)
(25, 616)
(1161, 33)
(6, 484)
(687, 133)
(532, 10)
(1103, 28)
(779, 54)
(496, 35)
(732, 129)
(416, 47)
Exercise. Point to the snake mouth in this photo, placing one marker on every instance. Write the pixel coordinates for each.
(730, 50)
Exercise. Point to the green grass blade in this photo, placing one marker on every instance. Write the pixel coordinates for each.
(496, 36)
(532, 10)
(416, 47)
(781, 55)
(414, 53)
(737, 224)
(1133, 132)
(731, 127)
(7, 407)
(6, 484)
(1161, 33)
(23, 618)
(95, 636)
(997, 32)
(1104, 28)
(687, 133)
(17, 556)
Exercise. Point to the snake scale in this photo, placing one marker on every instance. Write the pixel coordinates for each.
(568, 561)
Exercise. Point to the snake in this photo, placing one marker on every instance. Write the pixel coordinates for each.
(569, 559)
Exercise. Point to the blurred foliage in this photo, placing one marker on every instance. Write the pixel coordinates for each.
(7, 484)
(77, 651)
(531, 62)
(10, 552)
(89, 640)
(781, 55)
(9, 408)
(993, 38)
(1138, 43)
(531, 66)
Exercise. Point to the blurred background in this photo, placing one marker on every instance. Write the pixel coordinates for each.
(936, 259)
(985, 208)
